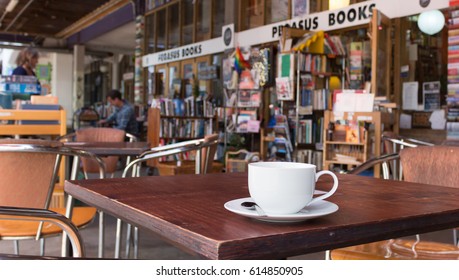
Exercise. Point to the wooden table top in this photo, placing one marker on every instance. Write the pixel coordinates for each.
(188, 211)
(111, 148)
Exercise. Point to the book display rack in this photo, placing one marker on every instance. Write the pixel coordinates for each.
(452, 98)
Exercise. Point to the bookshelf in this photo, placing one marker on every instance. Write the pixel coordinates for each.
(452, 98)
(185, 119)
(167, 128)
(313, 95)
(305, 70)
(248, 102)
(350, 139)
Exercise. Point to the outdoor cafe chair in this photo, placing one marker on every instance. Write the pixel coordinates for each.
(205, 150)
(29, 171)
(41, 215)
(99, 134)
(433, 165)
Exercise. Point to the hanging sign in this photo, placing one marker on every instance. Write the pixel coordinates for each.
(353, 15)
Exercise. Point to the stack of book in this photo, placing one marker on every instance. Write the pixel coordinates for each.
(452, 99)
(333, 45)
(18, 87)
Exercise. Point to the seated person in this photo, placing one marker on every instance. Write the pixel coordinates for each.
(124, 116)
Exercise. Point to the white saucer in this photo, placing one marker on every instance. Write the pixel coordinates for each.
(315, 210)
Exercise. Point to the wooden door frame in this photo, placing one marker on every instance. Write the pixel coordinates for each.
(378, 19)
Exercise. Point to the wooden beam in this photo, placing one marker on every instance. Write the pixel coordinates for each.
(92, 17)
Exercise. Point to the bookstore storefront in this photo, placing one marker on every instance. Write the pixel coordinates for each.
(241, 72)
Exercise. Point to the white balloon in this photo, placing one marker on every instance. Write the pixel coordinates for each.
(431, 22)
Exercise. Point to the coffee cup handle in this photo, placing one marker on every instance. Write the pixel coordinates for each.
(332, 191)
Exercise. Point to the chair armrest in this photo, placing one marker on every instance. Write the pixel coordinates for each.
(41, 215)
(132, 137)
(70, 137)
(372, 162)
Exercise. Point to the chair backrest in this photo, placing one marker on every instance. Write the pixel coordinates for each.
(205, 147)
(435, 165)
(208, 153)
(100, 134)
(27, 177)
(29, 170)
(393, 144)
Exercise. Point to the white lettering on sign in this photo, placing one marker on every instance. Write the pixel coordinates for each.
(189, 51)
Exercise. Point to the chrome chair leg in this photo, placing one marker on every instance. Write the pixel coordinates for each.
(128, 240)
(42, 247)
(16, 247)
(456, 241)
(119, 225)
(101, 235)
(136, 243)
(68, 214)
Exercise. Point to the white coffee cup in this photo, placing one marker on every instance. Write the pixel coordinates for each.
(285, 187)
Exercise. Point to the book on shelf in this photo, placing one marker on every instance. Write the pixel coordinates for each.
(255, 98)
(179, 107)
(353, 133)
(304, 134)
(284, 88)
(355, 57)
(333, 45)
(249, 98)
(453, 32)
(242, 123)
(311, 157)
(303, 41)
(454, 13)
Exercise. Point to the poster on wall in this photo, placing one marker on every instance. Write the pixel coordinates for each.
(410, 96)
(431, 95)
(300, 8)
(278, 11)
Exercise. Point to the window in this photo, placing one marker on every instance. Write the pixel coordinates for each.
(161, 30)
(223, 14)
(203, 20)
(187, 21)
(252, 13)
(276, 10)
(150, 34)
(173, 26)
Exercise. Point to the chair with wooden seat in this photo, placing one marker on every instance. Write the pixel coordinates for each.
(435, 165)
(28, 171)
(205, 150)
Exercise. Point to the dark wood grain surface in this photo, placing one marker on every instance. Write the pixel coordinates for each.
(111, 148)
(188, 211)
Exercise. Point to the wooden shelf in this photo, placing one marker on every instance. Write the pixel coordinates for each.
(342, 162)
(186, 117)
(154, 125)
(345, 143)
(360, 151)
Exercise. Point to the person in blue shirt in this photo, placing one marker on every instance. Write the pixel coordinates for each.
(124, 116)
(26, 62)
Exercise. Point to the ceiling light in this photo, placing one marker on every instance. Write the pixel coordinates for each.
(337, 4)
(431, 22)
(11, 5)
